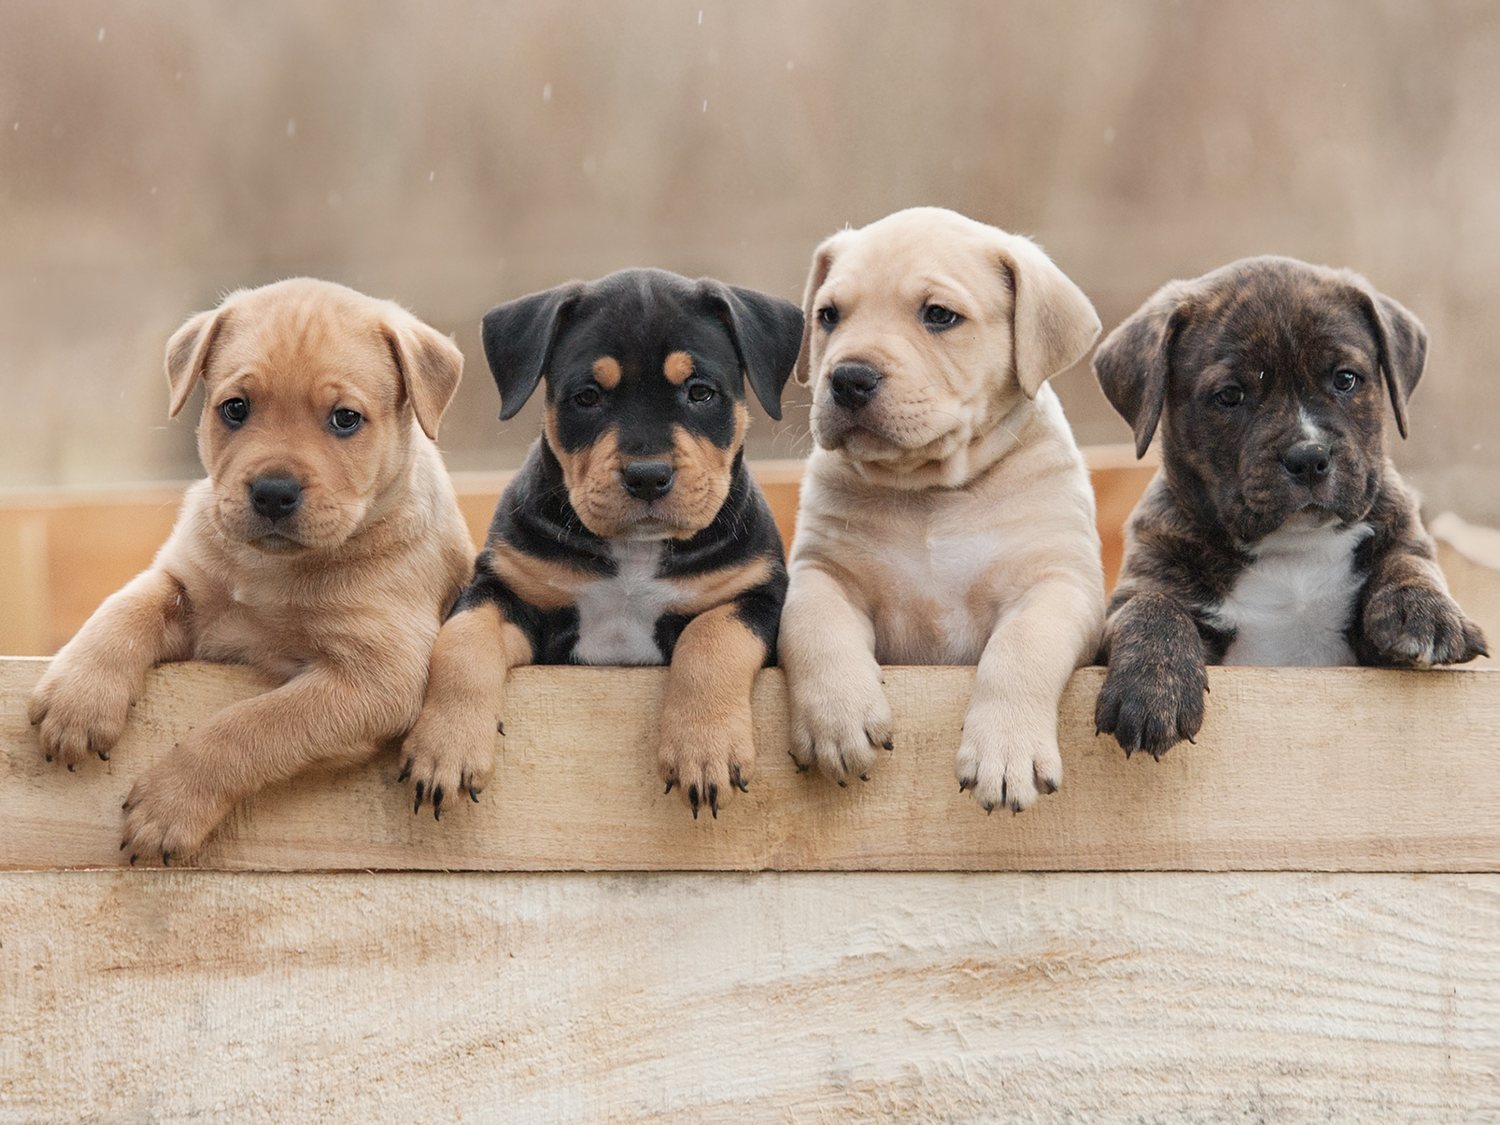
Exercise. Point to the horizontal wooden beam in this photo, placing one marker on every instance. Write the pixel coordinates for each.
(401, 997)
(1296, 769)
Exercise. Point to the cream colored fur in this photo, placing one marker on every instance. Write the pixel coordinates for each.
(952, 521)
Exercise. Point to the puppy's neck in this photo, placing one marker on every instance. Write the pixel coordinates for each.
(953, 460)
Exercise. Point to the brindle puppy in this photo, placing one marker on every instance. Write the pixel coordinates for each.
(633, 534)
(1278, 531)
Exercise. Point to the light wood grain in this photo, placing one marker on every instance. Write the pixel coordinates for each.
(1335, 769)
(1159, 997)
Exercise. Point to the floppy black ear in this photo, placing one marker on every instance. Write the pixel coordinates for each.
(518, 340)
(1135, 361)
(767, 332)
(1401, 342)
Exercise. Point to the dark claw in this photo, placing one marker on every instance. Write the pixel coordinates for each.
(742, 785)
(124, 844)
(670, 786)
(1191, 741)
(405, 774)
(103, 755)
(72, 768)
(800, 767)
(49, 757)
(713, 798)
(474, 794)
(416, 806)
(1051, 787)
(1156, 755)
(843, 785)
(166, 859)
(693, 799)
(989, 808)
(133, 858)
(864, 777)
(500, 729)
(1129, 750)
(967, 783)
(437, 802)
(888, 744)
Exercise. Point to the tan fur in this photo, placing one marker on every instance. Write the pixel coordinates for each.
(707, 743)
(678, 368)
(959, 526)
(699, 592)
(340, 618)
(607, 372)
(451, 748)
(540, 582)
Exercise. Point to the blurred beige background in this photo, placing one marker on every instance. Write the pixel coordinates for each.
(154, 154)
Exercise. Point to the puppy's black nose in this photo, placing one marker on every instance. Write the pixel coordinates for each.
(1308, 461)
(275, 497)
(854, 384)
(648, 480)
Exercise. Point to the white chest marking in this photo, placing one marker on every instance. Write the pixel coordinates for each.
(1292, 605)
(617, 615)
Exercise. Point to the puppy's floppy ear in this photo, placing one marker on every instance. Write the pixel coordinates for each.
(518, 340)
(1135, 361)
(767, 333)
(430, 365)
(187, 354)
(822, 262)
(1054, 323)
(1401, 342)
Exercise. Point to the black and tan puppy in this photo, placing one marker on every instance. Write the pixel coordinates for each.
(633, 534)
(1277, 532)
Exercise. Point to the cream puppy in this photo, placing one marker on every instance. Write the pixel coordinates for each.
(946, 514)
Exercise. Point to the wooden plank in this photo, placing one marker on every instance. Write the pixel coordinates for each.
(1154, 997)
(1333, 769)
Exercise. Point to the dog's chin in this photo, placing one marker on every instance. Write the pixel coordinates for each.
(1259, 516)
(266, 538)
(871, 441)
(643, 524)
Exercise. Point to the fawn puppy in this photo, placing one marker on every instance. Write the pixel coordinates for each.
(322, 550)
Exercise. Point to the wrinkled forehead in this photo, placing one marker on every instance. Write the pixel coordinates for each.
(1280, 324)
(285, 343)
(918, 262)
(639, 331)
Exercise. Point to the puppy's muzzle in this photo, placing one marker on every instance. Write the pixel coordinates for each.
(276, 498)
(648, 480)
(853, 385)
(1308, 462)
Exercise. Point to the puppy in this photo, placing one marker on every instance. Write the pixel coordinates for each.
(1277, 531)
(633, 533)
(322, 550)
(946, 514)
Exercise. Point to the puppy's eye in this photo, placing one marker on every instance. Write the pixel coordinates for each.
(828, 317)
(587, 397)
(344, 421)
(234, 411)
(1231, 395)
(699, 392)
(1346, 381)
(939, 317)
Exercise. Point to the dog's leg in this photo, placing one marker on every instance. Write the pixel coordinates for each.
(1009, 747)
(1407, 617)
(83, 701)
(707, 746)
(328, 715)
(450, 751)
(1153, 692)
(840, 714)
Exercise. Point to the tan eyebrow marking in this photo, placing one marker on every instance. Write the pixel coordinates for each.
(607, 372)
(678, 367)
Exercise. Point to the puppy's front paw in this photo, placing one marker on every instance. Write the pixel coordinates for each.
(1005, 763)
(839, 725)
(1152, 707)
(169, 812)
(79, 712)
(707, 756)
(449, 754)
(1419, 626)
